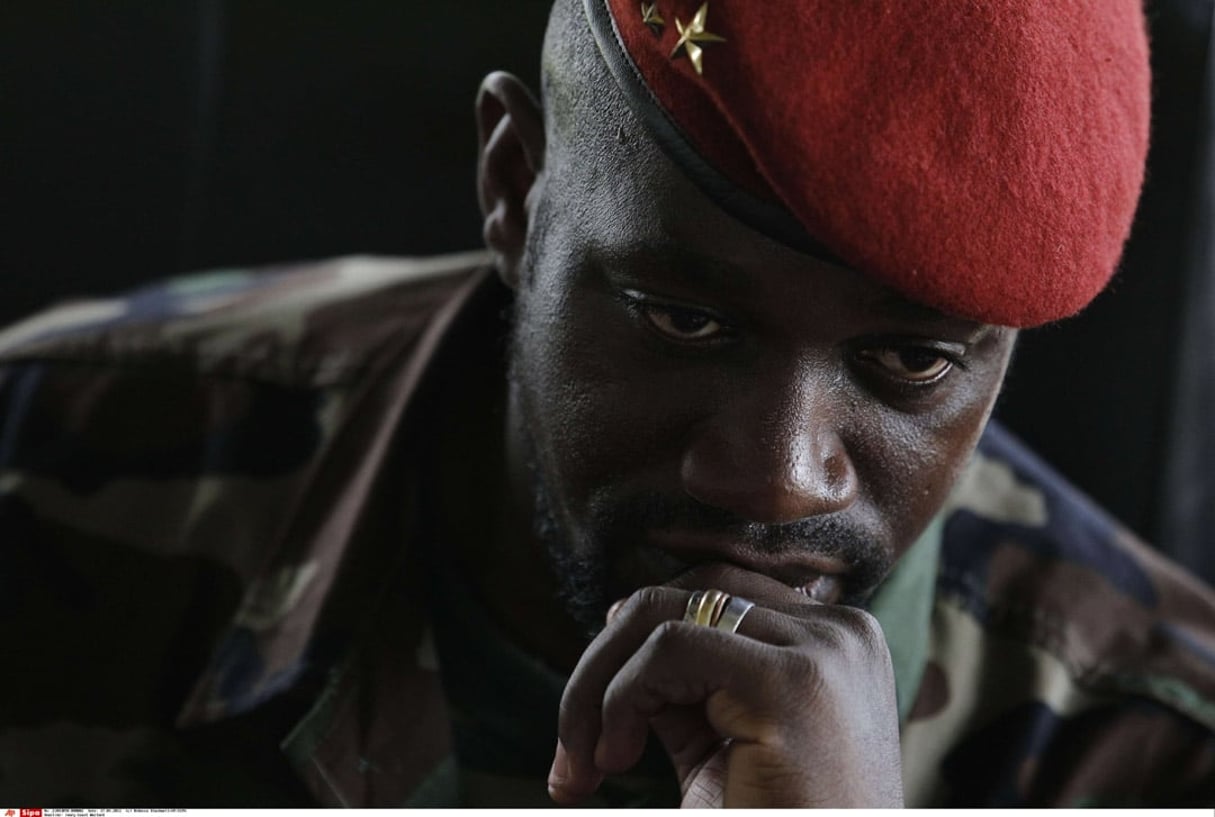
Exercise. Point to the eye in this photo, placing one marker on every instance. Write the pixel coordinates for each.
(681, 324)
(913, 364)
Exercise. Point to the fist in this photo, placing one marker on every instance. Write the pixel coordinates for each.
(795, 709)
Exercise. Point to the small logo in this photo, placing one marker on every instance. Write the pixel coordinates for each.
(30, 812)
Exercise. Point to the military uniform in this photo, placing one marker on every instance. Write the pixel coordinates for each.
(219, 587)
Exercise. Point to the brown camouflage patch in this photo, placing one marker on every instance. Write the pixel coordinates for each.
(933, 695)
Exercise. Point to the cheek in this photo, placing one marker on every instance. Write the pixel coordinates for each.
(583, 412)
(909, 463)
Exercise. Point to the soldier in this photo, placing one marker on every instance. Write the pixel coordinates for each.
(690, 476)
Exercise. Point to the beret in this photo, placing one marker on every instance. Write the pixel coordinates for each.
(983, 157)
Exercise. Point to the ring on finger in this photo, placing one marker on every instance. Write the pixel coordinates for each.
(732, 614)
(705, 607)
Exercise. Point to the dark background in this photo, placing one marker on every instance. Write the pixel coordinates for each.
(142, 139)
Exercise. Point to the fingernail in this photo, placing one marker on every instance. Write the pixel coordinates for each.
(560, 772)
(559, 776)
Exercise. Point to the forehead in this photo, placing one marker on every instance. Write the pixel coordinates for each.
(614, 187)
(624, 204)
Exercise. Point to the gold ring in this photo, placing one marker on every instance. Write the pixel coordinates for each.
(705, 607)
(733, 614)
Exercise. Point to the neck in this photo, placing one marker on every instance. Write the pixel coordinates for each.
(488, 520)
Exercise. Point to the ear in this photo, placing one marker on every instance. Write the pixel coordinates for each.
(510, 132)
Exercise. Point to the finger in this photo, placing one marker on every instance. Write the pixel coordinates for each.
(579, 718)
(679, 665)
(565, 787)
(631, 622)
(763, 590)
(760, 623)
(614, 609)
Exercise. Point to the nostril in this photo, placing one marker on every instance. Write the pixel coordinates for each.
(840, 477)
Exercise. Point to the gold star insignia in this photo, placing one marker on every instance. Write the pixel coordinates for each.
(691, 38)
(651, 17)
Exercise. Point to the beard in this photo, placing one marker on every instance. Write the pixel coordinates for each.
(595, 570)
(584, 584)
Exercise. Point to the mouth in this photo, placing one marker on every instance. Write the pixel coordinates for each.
(824, 588)
(668, 554)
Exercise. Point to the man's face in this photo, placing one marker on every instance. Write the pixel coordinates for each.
(689, 391)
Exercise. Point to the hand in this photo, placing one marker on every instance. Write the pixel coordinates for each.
(795, 709)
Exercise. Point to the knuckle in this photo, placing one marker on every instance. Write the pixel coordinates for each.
(860, 634)
(846, 630)
(863, 625)
(665, 632)
(646, 598)
(666, 636)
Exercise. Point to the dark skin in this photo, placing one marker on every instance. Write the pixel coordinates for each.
(798, 425)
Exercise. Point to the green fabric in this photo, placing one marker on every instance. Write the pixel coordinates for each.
(1173, 691)
(439, 790)
(205, 284)
(903, 606)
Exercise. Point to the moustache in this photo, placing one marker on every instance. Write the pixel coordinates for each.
(626, 520)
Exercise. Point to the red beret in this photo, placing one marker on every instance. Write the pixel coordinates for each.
(983, 157)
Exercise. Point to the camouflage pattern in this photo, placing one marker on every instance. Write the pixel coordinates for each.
(209, 515)
(1068, 663)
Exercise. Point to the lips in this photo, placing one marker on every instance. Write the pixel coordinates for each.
(816, 576)
(824, 588)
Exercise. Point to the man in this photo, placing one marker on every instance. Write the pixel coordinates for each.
(695, 495)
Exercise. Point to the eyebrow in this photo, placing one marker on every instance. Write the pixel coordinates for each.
(894, 306)
(679, 264)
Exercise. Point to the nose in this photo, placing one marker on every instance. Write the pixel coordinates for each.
(772, 456)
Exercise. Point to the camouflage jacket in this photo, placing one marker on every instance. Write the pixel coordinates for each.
(210, 501)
